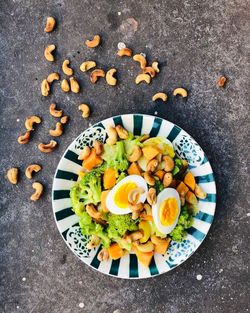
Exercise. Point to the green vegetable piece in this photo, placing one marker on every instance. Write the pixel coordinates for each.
(115, 156)
(184, 222)
(158, 186)
(176, 170)
(118, 225)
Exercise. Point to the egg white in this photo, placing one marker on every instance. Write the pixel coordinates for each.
(110, 203)
(162, 196)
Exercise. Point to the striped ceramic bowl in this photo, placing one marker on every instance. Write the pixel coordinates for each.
(128, 267)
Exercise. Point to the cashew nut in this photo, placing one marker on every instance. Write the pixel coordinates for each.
(23, 139)
(48, 53)
(124, 52)
(31, 120)
(135, 215)
(149, 179)
(180, 91)
(91, 210)
(98, 147)
(64, 119)
(136, 154)
(159, 241)
(183, 200)
(110, 79)
(148, 209)
(94, 42)
(151, 196)
(49, 147)
(167, 179)
(32, 168)
(155, 66)
(54, 112)
(122, 132)
(136, 235)
(143, 77)
(53, 76)
(65, 85)
(160, 95)
(103, 255)
(57, 132)
(112, 136)
(87, 65)
(149, 70)
(50, 24)
(134, 195)
(45, 88)
(85, 110)
(145, 247)
(144, 137)
(94, 242)
(84, 153)
(199, 192)
(74, 85)
(38, 191)
(221, 81)
(12, 175)
(66, 69)
(152, 165)
(169, 163)
(140, 58)
(95, 74)
(136, 207)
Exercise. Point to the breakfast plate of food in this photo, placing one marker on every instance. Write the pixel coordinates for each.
(134, 196)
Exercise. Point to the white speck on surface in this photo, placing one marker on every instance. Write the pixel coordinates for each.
(231, 298)
(248, 214)
(17, 306)
(24, 279)
(32, 250)
(18, 119)
(80, 282)
(143, 54)
(90, 124)
(51, 250)
(155, 113)
(220, 270)
(121, 45)
(199, 277)
(119, 13)
(81, 305)
(117, 311)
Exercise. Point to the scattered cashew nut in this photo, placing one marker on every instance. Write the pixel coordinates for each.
(94, 242)
(140, 58)
(136, 207)
(91, 210)
(95, 74)
(85, 110)
(45, 88)
(64, 119)
(221, 81)
(158, 241)
(180, 91)
(124, 52)
(149, 179)
(135, 215)
(74, 85)
(38, 191)
(49, 147)
(122, 132)
(160, 95)
(58, 131)
(66, 69)
(110, 79)
(145, 247)
(23, 139)
(112, 136)
(199, 192)
(87, 65)
(53, 76)
(134, 194)
(85, 153)
(148, 209)
(136, 235)
(152, 165)
(143, 77)
(169, 163)
(94, 42)
(149, 70)
(65, 85)
(50, 24)
(167, 179)
(32, 168)
(48, 53)
(136, 154)
(151, 196)
(98, 147)
(155, 66)
(31, 120)
(54, 112)
(12, 175)
(103, 255)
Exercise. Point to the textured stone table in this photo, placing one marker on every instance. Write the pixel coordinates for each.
(195, 42)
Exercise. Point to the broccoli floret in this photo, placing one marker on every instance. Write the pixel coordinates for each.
(115, 156)
(89, 227)
(118, 225)
(120, 177)
(90, 188)
(77, 205)
(184, 222)
(130, 144)
(158, 186)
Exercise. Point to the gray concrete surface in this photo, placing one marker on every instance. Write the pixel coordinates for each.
(195, 42)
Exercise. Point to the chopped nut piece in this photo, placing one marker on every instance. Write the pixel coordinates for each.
(45, 88)
(12, 175)
(50, 24)
(221, 81)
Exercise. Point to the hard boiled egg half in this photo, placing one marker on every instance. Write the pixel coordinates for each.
(117, 199)
(166, 211)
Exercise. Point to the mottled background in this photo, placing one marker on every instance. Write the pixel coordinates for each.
(194, 42)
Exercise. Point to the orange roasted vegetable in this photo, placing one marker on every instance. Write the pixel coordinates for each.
(150, 152)
(162, 246)
(182, 189)
(160, 174)
(134, 169)
(191, 198)
(115, 251)
(104, 195)
(143, 257)
(109, 178)
(92, 160)
(189, 180)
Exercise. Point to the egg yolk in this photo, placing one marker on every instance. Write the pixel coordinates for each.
(121, 195)
(168, 211)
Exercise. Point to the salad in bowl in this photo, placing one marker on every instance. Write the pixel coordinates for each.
(134, 194)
